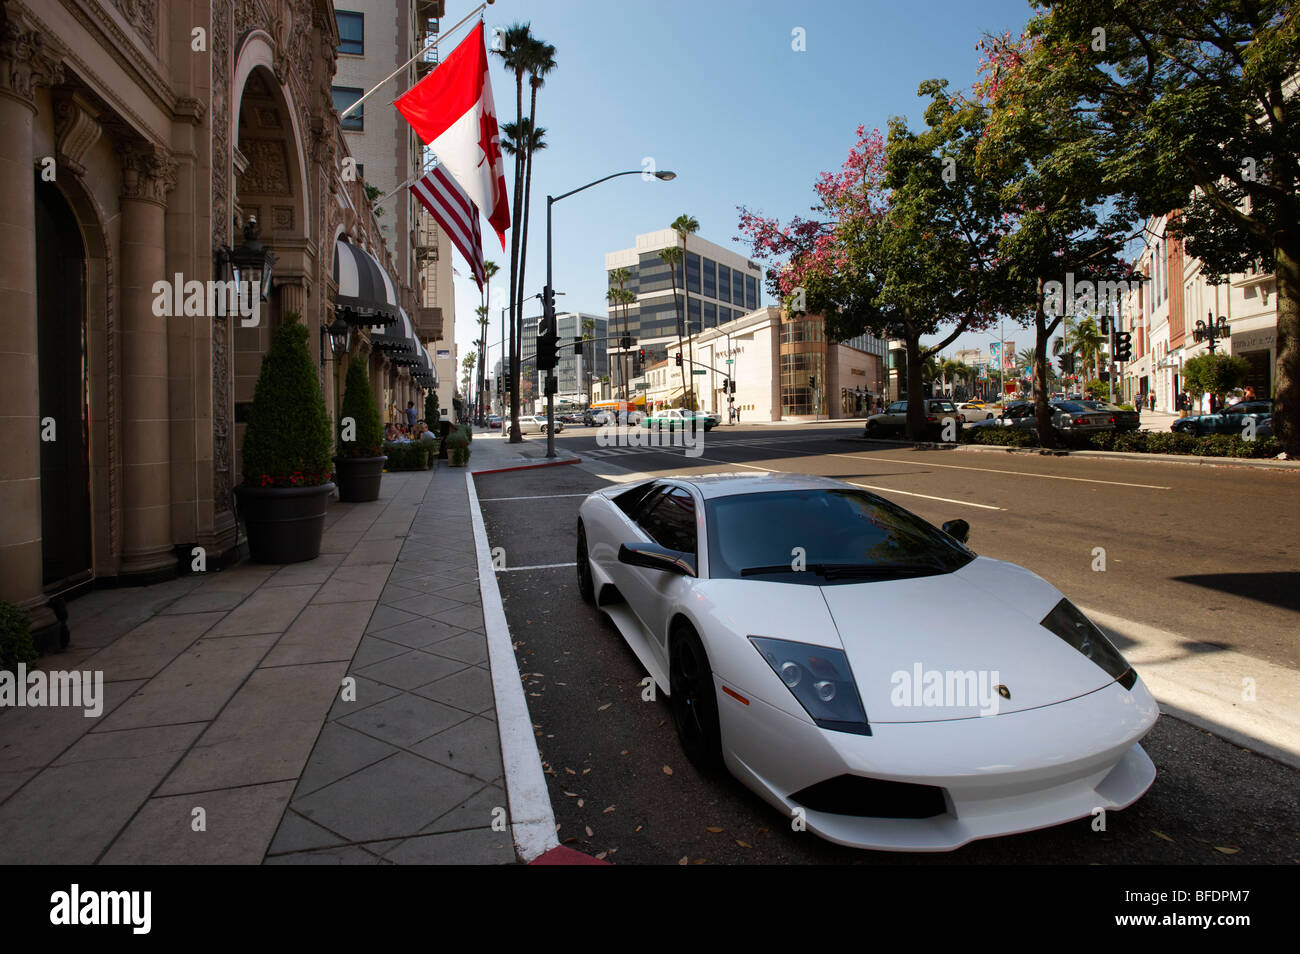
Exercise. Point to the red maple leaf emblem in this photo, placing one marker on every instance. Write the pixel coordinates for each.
(487, 141)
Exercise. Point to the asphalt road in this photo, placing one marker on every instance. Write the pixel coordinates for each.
(1209, 552)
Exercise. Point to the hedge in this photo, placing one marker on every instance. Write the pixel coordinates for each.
(411, 455)
(1134, 442)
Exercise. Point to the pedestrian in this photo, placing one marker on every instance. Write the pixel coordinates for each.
(737, 415)
(410, 414)
(1248, 394)
(731, 414)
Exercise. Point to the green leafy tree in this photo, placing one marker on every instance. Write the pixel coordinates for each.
(1194, 116)
(431, 407)
(287, 442)
(359, 406)
(1215, 374)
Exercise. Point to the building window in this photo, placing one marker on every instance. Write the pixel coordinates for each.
(352, 32)
(710, 278)
(692, 273)
(345, 96)
(724, 282)
(737, 288)
(751, 293)
(695, 316)
(724, 315)
(710, 313)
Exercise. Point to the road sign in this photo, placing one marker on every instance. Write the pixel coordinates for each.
(641, 386)
(699, 371)
(731, 361)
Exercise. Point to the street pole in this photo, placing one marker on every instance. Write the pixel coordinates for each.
(550, 330)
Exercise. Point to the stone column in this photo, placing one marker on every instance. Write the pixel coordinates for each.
(24, 61)
(148, 173)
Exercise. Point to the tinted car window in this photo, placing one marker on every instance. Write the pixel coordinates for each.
(630, 500)
(670, 520)
(832, 528)
(898, 407)
(942, 406)
(1072, 407)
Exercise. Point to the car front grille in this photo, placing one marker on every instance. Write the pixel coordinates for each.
(872, 798)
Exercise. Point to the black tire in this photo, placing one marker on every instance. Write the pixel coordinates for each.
(586, 586)
(693, 699)
(873, 429)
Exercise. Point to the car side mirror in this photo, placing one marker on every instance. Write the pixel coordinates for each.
(655, 557)
(957, 529)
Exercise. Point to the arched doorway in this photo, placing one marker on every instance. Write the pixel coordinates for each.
(64, 391)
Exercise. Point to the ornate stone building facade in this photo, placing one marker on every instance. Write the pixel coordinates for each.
(139, 136)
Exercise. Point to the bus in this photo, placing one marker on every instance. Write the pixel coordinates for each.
(628, 412)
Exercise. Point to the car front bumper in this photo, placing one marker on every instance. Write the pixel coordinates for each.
(1000, 774)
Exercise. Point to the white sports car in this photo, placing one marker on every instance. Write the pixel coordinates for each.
(860, 668)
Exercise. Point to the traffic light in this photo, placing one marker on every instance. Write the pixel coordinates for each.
(1066, 362)
(625, 343)
(733, 386)
(548, 305)
(1123, 346)
(679, 359)
(577, 346)
(547, 345)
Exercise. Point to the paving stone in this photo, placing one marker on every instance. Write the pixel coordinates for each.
(404, 719)
(368, 692)
(393, 798)
(373, 649)
(205, 601)
(347, 855)
(469, 689)
(309, 571)
(30, 738)
(475, 812)
(472, 746)
(380, 551)
(433, 605)
(322, 634)
(338, 541)
(149, 647)
(264, 734)
(269, 610)
(411, 669)
(467, 647)
(420, 632)
(385, 616)
(299, 834)
(395, 593)
(70, 812)
(354, 583)
(477, 846)
(240, 823)
(194, 686)
(339, 751)
(464, 592)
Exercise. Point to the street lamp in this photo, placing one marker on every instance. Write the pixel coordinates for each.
(251, 261)
(338, 336)
(664, 176)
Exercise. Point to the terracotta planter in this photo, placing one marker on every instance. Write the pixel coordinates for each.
(358, 478)
(284, 524)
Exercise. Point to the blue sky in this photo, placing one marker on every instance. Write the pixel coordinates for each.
(712, 90)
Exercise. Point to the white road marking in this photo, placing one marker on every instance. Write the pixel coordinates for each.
(908, 493)
(994, 470)
(535, 497)
(535, 566)
(531, 815)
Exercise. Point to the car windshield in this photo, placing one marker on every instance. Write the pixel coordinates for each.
(834, 535)
(1073, 407)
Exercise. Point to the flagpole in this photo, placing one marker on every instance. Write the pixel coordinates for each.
(438, 39)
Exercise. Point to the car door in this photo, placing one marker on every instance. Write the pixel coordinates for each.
(671, 520)
(895, 421)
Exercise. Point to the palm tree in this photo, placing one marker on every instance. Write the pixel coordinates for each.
(489, 269)
(619, 277)
(517, 47)
(523, 140)
(684, 225)
(540, 61)
(588, 356)
(1082, 337)
(672, 257)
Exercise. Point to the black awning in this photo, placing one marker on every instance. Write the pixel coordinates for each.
(366, 295)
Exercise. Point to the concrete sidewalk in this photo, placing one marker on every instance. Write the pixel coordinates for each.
(490, 452)
(334, 711)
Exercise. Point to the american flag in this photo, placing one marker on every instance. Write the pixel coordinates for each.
(452, 209)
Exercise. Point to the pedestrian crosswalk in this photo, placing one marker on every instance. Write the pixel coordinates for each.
(716, 444)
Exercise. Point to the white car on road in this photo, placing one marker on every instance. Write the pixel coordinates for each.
(973, 411)
(860, 668)
(532, 424)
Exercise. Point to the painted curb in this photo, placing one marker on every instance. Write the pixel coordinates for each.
(531, 815)
(548, 463)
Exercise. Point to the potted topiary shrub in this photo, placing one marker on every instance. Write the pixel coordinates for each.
(16, 644)
(286, 454)
(359, 464)
(457, 444)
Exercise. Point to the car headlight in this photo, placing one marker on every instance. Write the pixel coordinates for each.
(1069, 623)
(820, 680)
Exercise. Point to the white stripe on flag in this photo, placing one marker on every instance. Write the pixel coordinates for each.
(451, 207)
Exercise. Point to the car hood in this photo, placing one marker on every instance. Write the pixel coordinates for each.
(936, 648)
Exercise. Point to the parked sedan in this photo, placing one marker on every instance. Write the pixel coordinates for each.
(973, 411)
(1124, 420)
(674, 418)
(1068, 417)
(534, 424)
(805, 679)
(1231, 420)
(893, 420)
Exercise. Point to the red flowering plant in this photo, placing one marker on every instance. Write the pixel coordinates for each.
(905, 243)
(287, 442)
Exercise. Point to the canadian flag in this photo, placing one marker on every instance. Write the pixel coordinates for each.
(452, 110)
